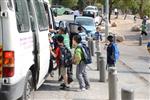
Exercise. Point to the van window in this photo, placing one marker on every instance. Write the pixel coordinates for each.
(40, 12)
(22, 15)
(31, 14)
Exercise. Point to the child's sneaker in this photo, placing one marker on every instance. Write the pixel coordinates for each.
(80, 90)
(64, 87)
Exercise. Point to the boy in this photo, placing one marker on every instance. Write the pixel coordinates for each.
(57, 55)
(112, 52)
(81, 72)
(98, 36)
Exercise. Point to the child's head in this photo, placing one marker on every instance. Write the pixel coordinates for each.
(60, 39)
(76, 40)
(80, 29)
(98, 29)
(110, 38)
(61, 30)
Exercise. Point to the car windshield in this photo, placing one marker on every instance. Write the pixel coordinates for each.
(89, 9)
(84, 21)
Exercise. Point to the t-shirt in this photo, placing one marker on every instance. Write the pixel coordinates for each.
(57, 52)
(76, 13)
(83, 36)
(98, 36)
(78, 54)
(66, 40)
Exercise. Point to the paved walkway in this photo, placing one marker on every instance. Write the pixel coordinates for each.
(99, 90)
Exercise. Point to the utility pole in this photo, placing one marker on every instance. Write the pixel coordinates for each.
(106, 18)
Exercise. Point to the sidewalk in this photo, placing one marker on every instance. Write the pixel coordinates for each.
(98, 90)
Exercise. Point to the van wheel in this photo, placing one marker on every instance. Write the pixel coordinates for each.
(28, 88)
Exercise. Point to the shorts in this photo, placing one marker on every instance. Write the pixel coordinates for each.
(63, 70)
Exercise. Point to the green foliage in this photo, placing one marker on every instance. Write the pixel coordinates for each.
(69, 3)
(146, 9)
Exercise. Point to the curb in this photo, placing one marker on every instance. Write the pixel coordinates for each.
(137, 73)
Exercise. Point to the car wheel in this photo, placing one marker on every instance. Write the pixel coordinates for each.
(28, 88)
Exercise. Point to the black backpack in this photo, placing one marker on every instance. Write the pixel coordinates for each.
(65, 57)
(86, 53)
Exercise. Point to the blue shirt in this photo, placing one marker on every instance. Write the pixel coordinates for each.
(98, 36)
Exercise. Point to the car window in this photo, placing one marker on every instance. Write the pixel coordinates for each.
(86, 22)
(89, 8)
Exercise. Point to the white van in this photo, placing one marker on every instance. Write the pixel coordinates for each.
(24, 47)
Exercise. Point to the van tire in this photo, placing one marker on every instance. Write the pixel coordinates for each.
(28, 87)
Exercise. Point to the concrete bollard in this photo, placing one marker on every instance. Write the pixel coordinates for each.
(97, 59)
(140, 40)
(97, 45)
(112, 83)
(127, 94)
(102, 70)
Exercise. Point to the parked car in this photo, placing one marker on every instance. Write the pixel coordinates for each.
(68, 11)
(88, 23)
(60, 10)
(92, 11)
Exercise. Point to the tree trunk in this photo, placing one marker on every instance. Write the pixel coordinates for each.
(141, 9)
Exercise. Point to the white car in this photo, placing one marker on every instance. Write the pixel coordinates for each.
(92, 11)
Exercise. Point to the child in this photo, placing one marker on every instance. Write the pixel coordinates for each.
(57, 55)
(112, 52)
(98, 37)
(81, 72)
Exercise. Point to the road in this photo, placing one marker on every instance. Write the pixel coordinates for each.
(133, 72)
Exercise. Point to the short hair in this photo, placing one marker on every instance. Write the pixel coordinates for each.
(110, 38)
(98, 28)
(77, 38)
(79, 28)
(60, 39)
(62, 29)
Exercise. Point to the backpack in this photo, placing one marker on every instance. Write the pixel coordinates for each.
(116, 51)
(65, 57)
(86, 53)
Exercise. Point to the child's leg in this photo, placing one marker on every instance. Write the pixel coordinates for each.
(79, 76)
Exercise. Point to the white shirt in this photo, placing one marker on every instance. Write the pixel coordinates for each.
(76, 12)
(83, 37)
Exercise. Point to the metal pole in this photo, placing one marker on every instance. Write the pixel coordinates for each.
(92, 47)
(140, 40)
(127, 94)
(89, 44)
(112, 83)
(97, 59)
(102, 70)
(107, 19)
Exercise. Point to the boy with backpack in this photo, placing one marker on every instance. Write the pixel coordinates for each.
(79, 60)
(112, 52)
(62, 55)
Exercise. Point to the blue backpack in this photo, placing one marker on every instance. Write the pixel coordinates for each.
(86, 54)
(148, 45)
(116, 52)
